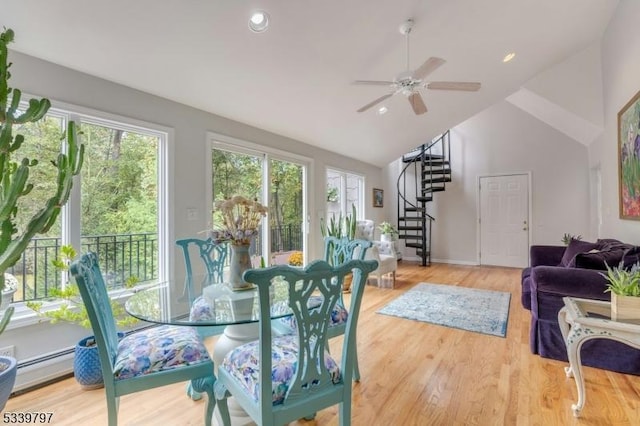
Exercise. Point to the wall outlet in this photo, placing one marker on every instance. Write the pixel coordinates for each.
(8, 351)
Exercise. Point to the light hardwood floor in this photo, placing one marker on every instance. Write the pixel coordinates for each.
(413, 373)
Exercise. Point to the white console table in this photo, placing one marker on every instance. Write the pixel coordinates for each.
(585, 319)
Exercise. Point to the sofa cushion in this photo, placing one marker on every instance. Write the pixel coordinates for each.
(575, 247)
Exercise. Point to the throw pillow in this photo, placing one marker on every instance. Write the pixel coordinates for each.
(575, 247)
(631, 257)
(599, 259)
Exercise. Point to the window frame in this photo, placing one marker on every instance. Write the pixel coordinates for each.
(70, 213)
(344, 209)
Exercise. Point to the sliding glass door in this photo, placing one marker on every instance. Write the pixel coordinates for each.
(286, 201)
(236, 170)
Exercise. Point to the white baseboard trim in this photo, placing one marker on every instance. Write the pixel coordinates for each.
(456, 262)
(36, 373)
(450, 261)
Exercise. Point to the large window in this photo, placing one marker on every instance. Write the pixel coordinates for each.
(114, 206)
(119, 200)
(275, 177)
(344, 190)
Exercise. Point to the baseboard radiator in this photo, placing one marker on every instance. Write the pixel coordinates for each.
(36, 372)
(47, 368)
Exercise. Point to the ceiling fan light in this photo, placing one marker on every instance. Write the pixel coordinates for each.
(508, 57)
(382, 110)
(259, 21)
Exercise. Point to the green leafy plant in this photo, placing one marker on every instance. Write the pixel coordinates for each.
(332, 194)
(387, 228)
(566, 238)
(14, 175)
(72, 309)
(344, 226)
(623, 282)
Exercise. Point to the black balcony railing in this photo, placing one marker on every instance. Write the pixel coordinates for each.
(286, 238)
(121, 256)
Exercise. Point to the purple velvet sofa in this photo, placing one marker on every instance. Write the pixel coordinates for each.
(575, 271)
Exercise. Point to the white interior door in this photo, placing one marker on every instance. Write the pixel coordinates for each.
(504, 220)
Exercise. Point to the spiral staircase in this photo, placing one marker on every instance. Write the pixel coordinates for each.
(426, 171)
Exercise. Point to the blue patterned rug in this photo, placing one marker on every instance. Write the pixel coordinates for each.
(482, 311)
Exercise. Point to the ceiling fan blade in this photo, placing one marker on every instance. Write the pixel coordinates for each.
(377, 101)
(429, 66)
(374, 82)
(417, 103)
(454, 85)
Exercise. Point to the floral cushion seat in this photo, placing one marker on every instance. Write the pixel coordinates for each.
(339, 314)
(201, 310)
(158, 349)
(244, 365)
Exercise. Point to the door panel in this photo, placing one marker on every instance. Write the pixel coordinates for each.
(504, 220)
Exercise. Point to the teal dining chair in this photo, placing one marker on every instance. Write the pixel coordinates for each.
(213, 256)
(336, 251)
(280, 378)
(144, 359)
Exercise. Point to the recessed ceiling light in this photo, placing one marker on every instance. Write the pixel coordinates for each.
(508, 57)
(382, 110)
(259, 21)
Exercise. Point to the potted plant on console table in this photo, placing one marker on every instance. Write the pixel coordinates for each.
(624, 285)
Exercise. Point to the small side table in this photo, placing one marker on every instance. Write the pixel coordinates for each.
(584, 319)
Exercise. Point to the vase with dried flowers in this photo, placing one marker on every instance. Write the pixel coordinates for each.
(237, 220)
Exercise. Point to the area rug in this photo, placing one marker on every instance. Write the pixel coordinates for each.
(482, 311)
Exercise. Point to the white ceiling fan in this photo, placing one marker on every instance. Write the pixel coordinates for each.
(408, 82)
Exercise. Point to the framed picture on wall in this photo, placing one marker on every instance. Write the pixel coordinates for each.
(378, 197)
(629, 159)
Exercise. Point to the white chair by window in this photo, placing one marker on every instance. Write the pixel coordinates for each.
(382, 251)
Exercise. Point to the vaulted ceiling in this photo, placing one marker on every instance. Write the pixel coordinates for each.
(295, 79)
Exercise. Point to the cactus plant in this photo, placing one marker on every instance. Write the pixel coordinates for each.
(14, 176)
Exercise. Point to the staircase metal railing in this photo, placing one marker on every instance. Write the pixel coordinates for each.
(430, 167)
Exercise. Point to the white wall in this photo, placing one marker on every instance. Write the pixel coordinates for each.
(504, 139)
(620, 74)
(190, 126)
(575, 84)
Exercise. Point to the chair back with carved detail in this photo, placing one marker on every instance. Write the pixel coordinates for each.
(281, 378)
(213, 256)
(340, 250)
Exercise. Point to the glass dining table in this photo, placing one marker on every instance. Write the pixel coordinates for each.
(196, 301)
(214, 308)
